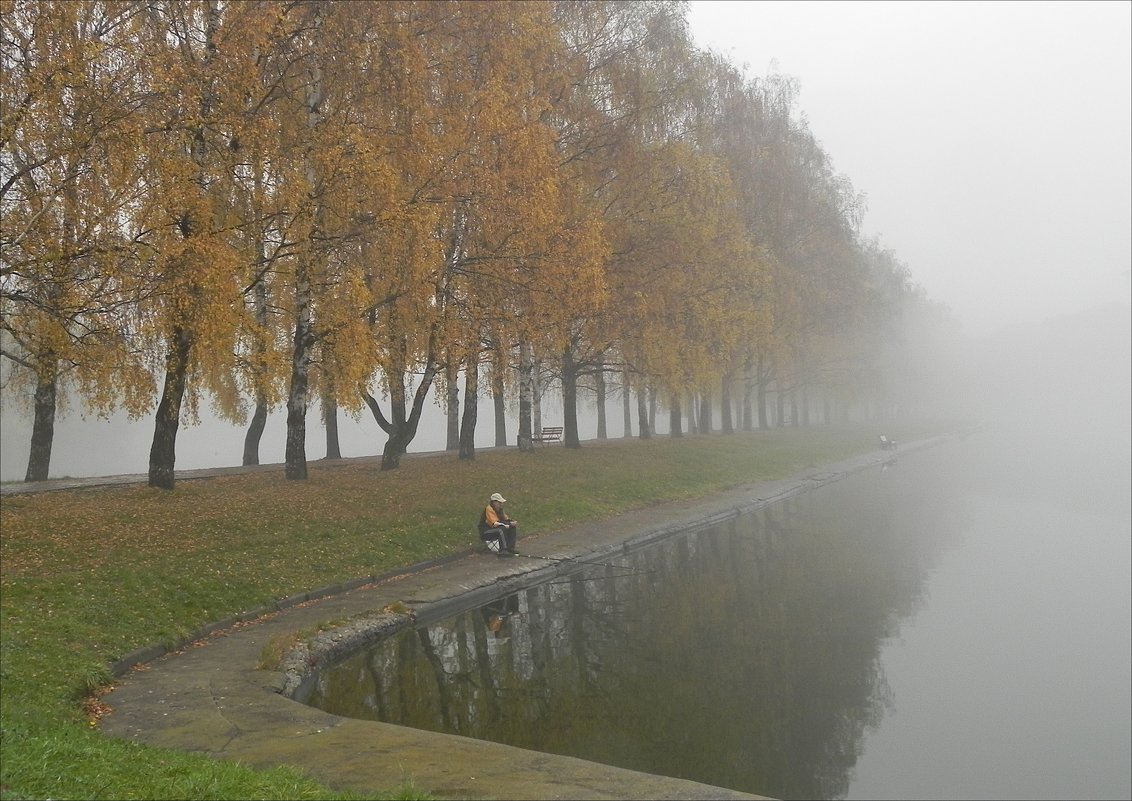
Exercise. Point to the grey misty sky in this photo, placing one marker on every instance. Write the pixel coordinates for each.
(992, 140)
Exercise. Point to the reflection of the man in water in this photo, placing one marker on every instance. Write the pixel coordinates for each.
(498, 612)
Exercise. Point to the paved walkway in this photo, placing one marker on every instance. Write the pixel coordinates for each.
(211, 698)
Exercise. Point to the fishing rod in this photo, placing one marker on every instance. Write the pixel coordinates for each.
(574, 578)
(581, 562)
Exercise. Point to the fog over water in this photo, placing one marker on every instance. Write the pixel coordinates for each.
(956, 623)
(929, 628)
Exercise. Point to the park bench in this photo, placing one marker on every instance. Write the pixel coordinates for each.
(887, 444)
(548, 434)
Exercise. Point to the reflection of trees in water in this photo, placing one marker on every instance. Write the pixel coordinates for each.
(745, 655)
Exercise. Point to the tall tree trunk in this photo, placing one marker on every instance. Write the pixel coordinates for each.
(748, 396)
(398, 441)
(675, 417)
(643, 415)
(452, 403)
(601, 423)
(298, 395)
(295, 455)
(395, 447)
(526, 389)
(259, 354)
(652, 408)
(725, 423)
(780, 407)
(330, 421)
(499, 402)
(401, 425)
(471, 409)
(43, 424)
(705, 414)
(761, 375)
(627, 403)
(255, 430)
(47, 363)
(259, 417)
(569, 400)
(163, 450)
(536, 395)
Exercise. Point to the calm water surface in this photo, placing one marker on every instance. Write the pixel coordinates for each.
(955, 625)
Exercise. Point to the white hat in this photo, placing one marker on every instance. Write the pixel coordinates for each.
(495, 496)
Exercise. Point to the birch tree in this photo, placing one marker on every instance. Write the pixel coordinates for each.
(70, 93)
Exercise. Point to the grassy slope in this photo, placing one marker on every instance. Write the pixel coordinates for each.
(88, 576)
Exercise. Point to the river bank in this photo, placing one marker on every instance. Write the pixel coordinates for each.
(212, 699)
(98, 578)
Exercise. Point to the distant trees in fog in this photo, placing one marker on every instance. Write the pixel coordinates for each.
(259, 203)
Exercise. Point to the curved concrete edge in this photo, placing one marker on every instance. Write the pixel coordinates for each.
(211, 698)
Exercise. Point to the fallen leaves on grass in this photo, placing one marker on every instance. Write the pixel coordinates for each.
(94, 708)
